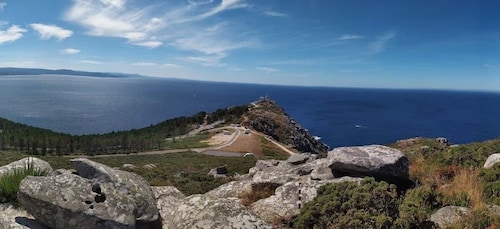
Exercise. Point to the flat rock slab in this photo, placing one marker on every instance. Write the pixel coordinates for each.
(38, 164)
(372, 160)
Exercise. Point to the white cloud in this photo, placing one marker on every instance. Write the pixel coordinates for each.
(349, 37)
(149, 44)
(275, 14)
(2, 5)
(380, 43)
(12, 34)
(143, 64)
(90, 62)
(69, 51)
(267, 70)
(213, 60)
(168, 65)
(190, 27)
(51, 31)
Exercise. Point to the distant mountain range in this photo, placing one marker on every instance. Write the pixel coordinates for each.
(39, 71)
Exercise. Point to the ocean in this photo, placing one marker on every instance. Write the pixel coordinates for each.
(340, 116)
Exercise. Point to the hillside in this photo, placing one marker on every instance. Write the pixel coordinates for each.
(39, 71)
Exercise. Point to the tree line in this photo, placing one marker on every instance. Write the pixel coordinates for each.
(38, 141)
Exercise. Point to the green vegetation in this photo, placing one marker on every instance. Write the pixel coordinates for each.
(271, 151)
(259, 191)
(42, 142)
(369, 204)
(9, 183)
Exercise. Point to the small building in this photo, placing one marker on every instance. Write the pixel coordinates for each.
(247, 131)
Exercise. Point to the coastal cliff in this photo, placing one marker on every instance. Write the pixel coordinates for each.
(268, 117)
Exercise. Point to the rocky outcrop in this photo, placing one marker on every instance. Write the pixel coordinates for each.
(37, 164)
(231, 189)
(297, 159)
(448, 215)
(374, 160)
(203, 211)
(127, 183)
(15, 218)
(87, 204)
(92, 196)
(492, 160)
(269, 118)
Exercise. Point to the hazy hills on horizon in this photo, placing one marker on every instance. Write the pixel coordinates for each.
(40, 71)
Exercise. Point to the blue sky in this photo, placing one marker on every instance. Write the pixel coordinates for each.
(383, 44)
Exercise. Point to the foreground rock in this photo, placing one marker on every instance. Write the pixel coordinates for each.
(70, 201)
(14, 218)
(203, 211)
(37, 164)
(492, 160)
(448, 215)
(373, 160)
(127, 183)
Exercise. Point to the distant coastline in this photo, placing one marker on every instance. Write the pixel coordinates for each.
(40, 71)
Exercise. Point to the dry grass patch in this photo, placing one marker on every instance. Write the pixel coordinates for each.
(259, 191)
(469, 182)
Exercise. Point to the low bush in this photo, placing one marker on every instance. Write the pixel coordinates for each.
(9, 183)
(369, 204)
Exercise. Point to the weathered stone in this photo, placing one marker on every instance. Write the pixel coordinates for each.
(127, 183)
(372, 160)
(149, 166)
(231, 189)
(220, 171)
(297, 159)
(492, 160)
(290, 198)
(281, 174)
(37, 164)
(129, 166)
(448, 215)
(15, 218)
(70, 201)
(321, 170)
(201, 211)
(160, 191)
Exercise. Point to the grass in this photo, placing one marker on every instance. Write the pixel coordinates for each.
(9, 183)
(187, 143)
(271, 151)
(466, 183)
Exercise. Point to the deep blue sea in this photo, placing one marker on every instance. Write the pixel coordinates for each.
(340, 116)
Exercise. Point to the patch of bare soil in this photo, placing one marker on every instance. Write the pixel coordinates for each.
(246, 143)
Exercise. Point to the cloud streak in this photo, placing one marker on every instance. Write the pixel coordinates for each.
(51, 31)
(274, 14)
(349, 37)
(380, 43)
(12, 34)
(69, 51)
(267, 70)
(2, 5)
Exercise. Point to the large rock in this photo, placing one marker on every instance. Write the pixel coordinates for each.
(220, 171)
(70, 201)
(321, 170)
(15, 218)
(297, 159)
(373, 160)
(290, 198)
(231, 189)
(283, 173)
(202, 211)
(127, 183)
(37, 164)
(160, 191)
(448, 215)
(492, 160)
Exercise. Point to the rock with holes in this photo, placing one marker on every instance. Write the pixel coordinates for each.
(70, 201)
(290, 198)
(12, 217)
(127, 183)
(448, 215)
(372, 160)
(36, 163)
(202, 211)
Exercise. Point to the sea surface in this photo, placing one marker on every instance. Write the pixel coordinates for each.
(340, 116)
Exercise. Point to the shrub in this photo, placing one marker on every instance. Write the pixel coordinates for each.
(491, 179)
(9, 183)
(417, 206)
(478, 219)
(259, 191)
(368, 204)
